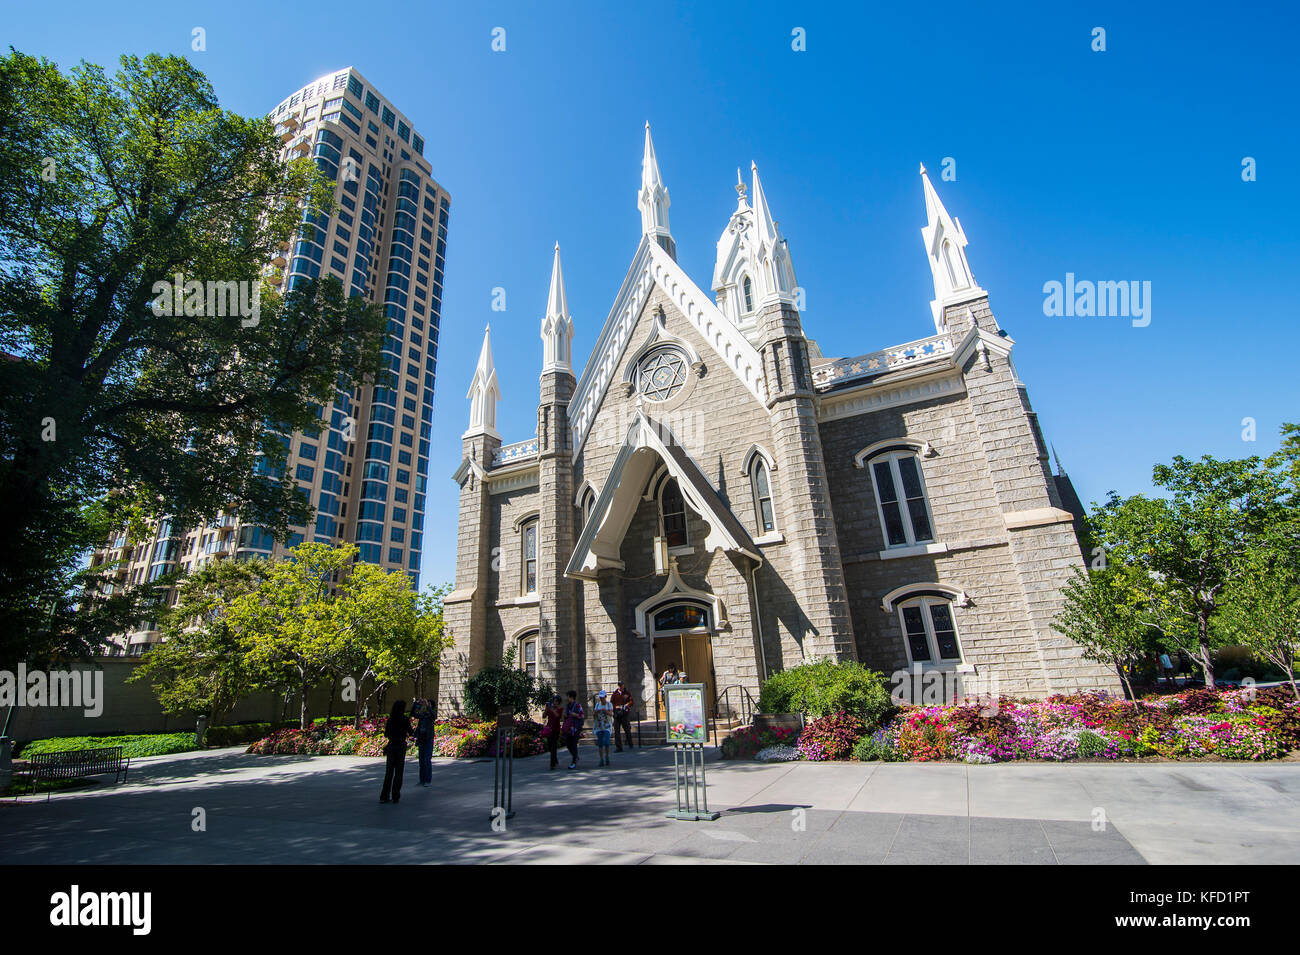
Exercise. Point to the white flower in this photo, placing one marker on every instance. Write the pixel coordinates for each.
(779, 754)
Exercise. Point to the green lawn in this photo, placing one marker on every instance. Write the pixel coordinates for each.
(146, 744)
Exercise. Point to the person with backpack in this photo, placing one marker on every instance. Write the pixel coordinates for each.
(424, 714)
(574, 717)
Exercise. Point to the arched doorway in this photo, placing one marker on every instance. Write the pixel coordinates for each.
(681, 633)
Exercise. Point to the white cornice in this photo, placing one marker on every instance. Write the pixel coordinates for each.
(877, 397)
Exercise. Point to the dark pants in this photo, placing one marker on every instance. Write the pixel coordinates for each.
(553, 747)
(426, 759)
(393, 771)
(623, 721)
(571, 743)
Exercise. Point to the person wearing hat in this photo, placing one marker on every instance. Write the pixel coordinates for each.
(602, 715)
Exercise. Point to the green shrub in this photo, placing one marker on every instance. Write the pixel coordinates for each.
(1091, 745)
(506, 686)
(826, 687)
(144, 744)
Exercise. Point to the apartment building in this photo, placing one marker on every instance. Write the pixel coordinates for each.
(366, 466)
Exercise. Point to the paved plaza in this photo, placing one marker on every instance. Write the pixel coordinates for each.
(292, 809)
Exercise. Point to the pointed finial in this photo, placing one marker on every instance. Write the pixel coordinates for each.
(557, 324)
(740, 184)
(923, 169)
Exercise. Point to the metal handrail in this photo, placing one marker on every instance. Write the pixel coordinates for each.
(747, 706)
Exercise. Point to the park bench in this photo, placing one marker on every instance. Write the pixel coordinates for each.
(76, 764)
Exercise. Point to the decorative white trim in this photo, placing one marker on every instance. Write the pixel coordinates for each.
(1036, 517)
(922, 449)
(916, 550)
(523, 519)
(899, 594)
(675, 588)
(585, 487)
(515, 479)
(659, 337)
(874, 398)
(527, 600)
(747, 461)
(776, 537)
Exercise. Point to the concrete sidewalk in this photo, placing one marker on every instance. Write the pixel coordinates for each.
(289, 809)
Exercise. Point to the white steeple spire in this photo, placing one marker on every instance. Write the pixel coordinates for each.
(652, 200)
(945, 246)
(776, 273)
(557, 325)
(484, 393)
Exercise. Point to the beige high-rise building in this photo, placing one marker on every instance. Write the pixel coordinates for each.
(367, 466)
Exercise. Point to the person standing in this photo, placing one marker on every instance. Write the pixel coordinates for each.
(574, 717)
(553, 717)
(602, 722)
(1167, 669)
(424, 713)
(397, 729)
(670, 677)
(622, 702)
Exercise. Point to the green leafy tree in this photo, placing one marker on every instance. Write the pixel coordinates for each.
(290, 621)
(1261, 608)
(108, 186)
(381, 634)
(1183, 551)
(201, 664)
(1103, 612)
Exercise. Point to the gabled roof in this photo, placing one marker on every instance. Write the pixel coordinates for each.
(646, 445)
(653, 266)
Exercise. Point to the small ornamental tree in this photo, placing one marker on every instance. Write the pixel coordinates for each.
(1184, 551)
(1102, 613)
(498, 688)
(1261, 610)
(200, 663)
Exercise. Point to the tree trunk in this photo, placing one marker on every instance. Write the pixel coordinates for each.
(1203, 643)
(1123, 678)
(302, 703)
(334, 688)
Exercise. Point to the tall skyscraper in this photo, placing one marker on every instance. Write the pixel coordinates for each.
(366, 467)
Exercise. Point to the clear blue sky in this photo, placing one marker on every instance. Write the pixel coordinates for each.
(1117, 165)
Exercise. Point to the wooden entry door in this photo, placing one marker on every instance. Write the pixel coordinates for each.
(693, 654)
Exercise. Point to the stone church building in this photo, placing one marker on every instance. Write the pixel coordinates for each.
(715, 493)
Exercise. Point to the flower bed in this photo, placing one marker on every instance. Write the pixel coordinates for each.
(1251, 724)
(460, 737)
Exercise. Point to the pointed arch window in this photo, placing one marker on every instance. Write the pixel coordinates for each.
(761, 485)
(747, 291)
(901, 498)
(672, 514)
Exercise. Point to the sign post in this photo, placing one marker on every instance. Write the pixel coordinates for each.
(503, 765)
(687, 729)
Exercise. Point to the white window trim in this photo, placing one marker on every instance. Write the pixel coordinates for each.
(531, 635)
(757, 461)
(531, 523)
(909, 532)
(679, 549)
(935, 662)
